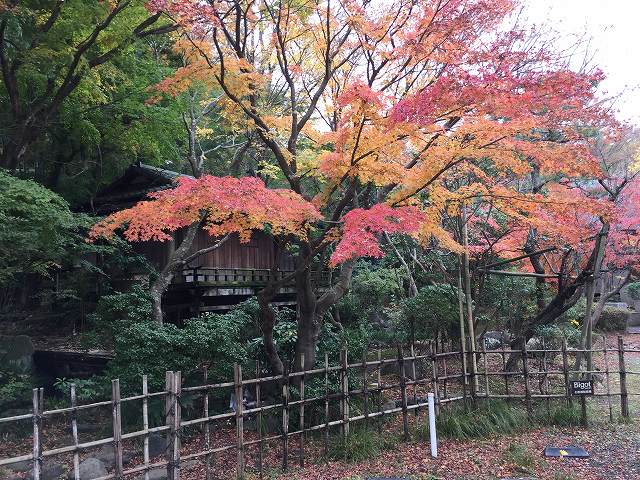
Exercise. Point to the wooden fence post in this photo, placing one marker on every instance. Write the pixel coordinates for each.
(379, 381)
(170, 422)
(237, 381)
(414, 378)
(285, 419)
(525, 371)
(365, 389)
(485, 364)
(259, 420)
(207, 427)
(117, 427)
(606, 369)
(145, 424)
(302, 379)
(624, 398)
(434, 375)
(37, 430)
(74, 433)
(565, 371)
(403, 393)
(345, 392)
(326, 405)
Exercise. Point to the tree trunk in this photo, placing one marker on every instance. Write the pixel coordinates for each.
(267, 323)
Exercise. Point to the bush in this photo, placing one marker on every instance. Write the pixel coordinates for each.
(216, 340)
(116, 312)
(613, 319)
(553, 335)
(634, 290)
(433, 312)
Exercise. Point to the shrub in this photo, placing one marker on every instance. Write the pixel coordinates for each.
(554, 334)
(613, 319)
(115, 313)
(216, 340)
(432, 312)
(634, 290)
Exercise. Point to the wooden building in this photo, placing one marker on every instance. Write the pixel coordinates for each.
(214, 281)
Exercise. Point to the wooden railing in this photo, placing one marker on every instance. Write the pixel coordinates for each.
(338, 388)
(220, 276)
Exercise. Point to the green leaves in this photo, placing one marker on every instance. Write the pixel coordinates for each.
(38, 229)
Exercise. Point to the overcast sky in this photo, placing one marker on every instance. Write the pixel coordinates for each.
(614, 26)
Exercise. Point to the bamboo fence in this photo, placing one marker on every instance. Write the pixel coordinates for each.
(356, 390)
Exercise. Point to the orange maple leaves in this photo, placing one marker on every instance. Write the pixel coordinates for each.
(223, 204)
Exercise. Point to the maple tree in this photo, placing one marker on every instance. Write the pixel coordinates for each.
(372, 112)
(221, 206)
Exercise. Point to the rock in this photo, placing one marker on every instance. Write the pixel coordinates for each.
(157, 474)
(157, 445)
(494, 340)
(50, 471)
(92, 468)
(16, 352)
(107, 456)
(389, 405)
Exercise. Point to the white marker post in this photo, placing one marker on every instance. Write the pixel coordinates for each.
(432, 426)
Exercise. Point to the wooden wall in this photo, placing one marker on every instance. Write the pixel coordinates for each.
(259, 253)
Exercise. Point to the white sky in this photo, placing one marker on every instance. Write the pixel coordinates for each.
(614, 27)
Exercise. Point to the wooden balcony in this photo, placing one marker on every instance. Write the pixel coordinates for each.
(238, 277)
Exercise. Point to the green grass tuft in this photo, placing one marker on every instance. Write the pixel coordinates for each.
(361, 444)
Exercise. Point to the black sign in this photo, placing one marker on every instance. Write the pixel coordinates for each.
(582, 387)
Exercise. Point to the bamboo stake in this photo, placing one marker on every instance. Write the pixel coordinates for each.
(285, 420)
(434, 376)
(545, 378)
(145, 424)
(259, 421)
(177, 419)
(606, 370)
(486, 370)
(237, 380)
(525, 371)
(207, 427)
(326, 405)
(37, 429)
(504, 371)
(117, 427)
(345, 392)
(170, 422)
(624, 399)
(403, 392)
(445, 380)
(365, 389)
(412, 351)
(302, 412)
(74, 433)
(380, 390)
(565, 371)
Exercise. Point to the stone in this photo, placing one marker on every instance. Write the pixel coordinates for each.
(389, 405)
(92, 468)
(16, 352)
(107, 456)
(157, 445)
(161, 472)
(50, 471)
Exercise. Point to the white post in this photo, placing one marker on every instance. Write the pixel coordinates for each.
(432, 426)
